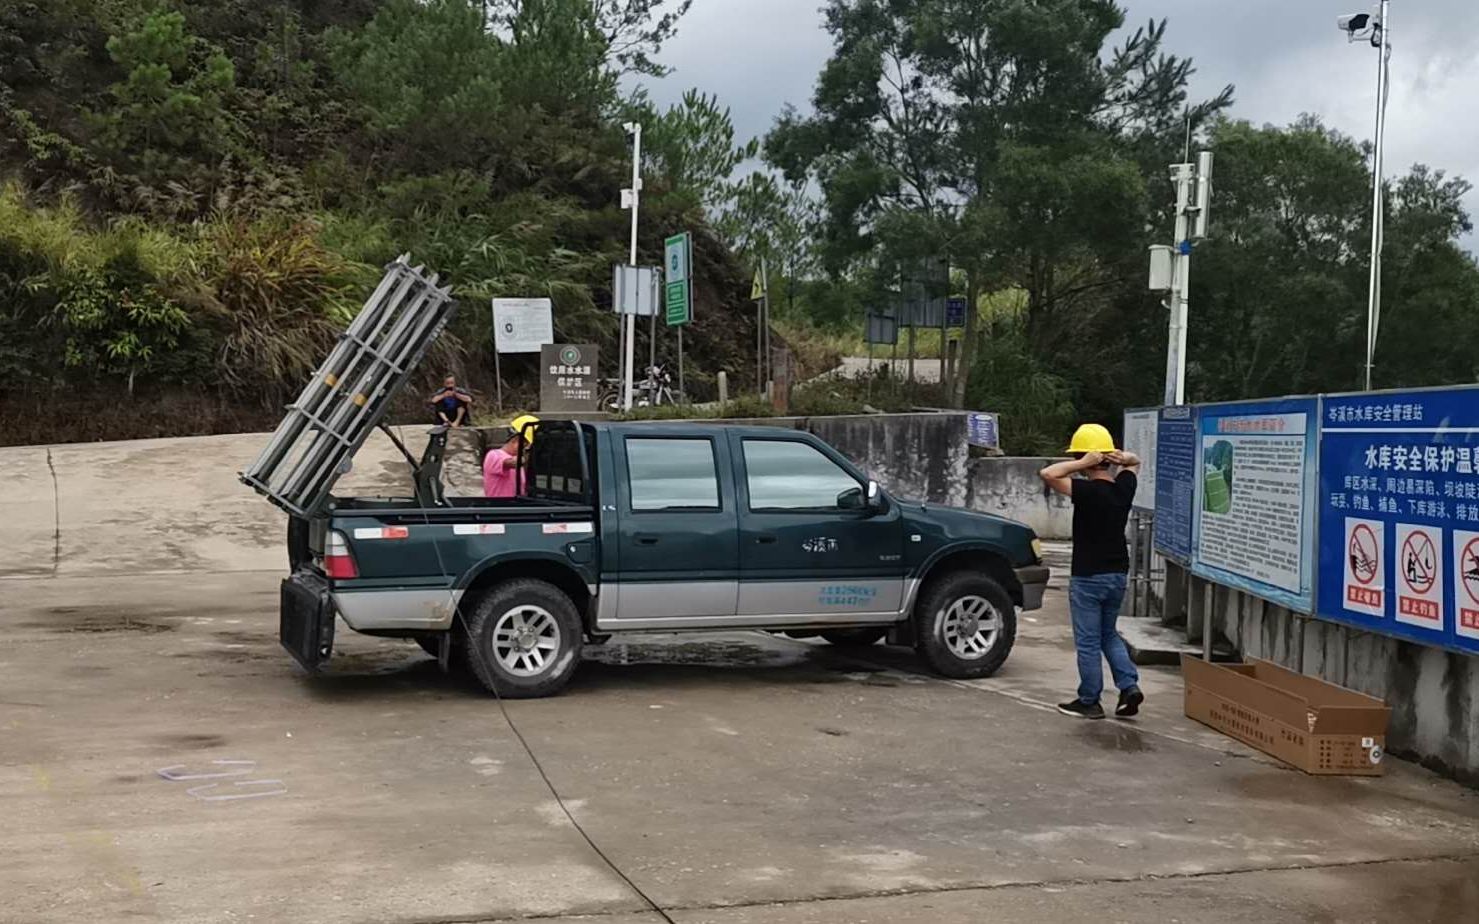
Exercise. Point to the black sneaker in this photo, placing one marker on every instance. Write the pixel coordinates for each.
(1129, 704)
(1082, 710)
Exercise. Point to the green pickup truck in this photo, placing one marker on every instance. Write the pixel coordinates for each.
(623, 527)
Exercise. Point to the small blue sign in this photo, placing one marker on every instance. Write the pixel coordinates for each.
(1175, 482)
(1399, 514)
(981, 430)
(955, 312)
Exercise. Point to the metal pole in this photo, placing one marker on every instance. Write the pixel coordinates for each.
(682, 389)
(1181, 174)
(652, 328)
(498, 377)
(1378, 217)
(629, 347)
(765, 303)
(760, 344)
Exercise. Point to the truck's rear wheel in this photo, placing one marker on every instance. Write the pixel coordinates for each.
(524, 639)
(966, 625)
(855, 638)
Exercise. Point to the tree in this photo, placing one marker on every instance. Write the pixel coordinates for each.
(167, 125)
(991, 132)
(691, 147)
(428, 80)
(631, 31)
(1279, 291)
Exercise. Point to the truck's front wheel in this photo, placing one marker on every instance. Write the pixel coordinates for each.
(524, 639)
(966, 625)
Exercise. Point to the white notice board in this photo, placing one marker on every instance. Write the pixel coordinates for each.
(522, 325)
(1140, 436)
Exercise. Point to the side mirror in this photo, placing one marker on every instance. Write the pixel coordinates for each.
(875, 497)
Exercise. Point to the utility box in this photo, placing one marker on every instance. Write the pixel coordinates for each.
(1316, 726)
(1160, 268)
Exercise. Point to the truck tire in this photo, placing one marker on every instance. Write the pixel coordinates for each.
(966, 625)
(855, 638)
(524, 639)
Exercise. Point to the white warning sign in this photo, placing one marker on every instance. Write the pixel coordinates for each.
(1466, 583)
(1420, 576)
(1365, 573)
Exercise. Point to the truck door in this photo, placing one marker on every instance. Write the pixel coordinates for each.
(678, 543)
(808, 546)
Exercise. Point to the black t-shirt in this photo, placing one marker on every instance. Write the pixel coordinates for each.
(1100, 509)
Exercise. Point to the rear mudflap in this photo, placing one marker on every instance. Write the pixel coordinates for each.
(306, 619)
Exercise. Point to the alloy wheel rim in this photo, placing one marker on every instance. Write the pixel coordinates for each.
(526, 640)
(970, 626)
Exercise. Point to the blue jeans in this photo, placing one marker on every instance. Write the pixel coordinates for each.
(1094, 603)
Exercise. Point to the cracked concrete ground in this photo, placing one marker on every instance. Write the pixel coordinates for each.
(734, 777)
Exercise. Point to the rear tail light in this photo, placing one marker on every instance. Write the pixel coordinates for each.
(338, 562)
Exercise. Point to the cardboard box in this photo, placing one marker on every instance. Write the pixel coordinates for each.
(1316, 726)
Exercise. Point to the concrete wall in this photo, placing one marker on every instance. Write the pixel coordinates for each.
(1009, 486)
(1434, 694)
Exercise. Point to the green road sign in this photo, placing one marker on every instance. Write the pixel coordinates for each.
(677, 262)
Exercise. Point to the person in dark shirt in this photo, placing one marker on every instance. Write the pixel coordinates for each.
(1101, 561)
(452, 405)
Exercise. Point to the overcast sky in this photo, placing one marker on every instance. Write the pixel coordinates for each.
(1284, 57)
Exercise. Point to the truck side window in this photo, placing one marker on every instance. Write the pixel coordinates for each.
(672, 474)
(787, 475)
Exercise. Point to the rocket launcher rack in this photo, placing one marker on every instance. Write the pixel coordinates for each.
(352, 390)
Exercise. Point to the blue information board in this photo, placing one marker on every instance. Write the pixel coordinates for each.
(955, 312)
(1399, 514)
(1254, 520)
(1175, 482)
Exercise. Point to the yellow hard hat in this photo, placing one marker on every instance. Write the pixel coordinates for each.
(1091, 438)
(520, 422)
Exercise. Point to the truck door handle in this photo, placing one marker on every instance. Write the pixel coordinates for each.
(766, 539)
(645, 539)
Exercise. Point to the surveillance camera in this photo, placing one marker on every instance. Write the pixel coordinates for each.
(1355, 22)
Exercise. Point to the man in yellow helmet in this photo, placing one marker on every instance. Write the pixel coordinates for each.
(1101, 563)
(501, 465)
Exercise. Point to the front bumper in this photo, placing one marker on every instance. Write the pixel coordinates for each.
(1034, 581)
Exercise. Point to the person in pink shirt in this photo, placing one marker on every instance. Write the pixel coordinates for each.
(501, 465)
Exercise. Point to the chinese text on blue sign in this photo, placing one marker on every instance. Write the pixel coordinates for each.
(1175, 482)
(1399, 515)
(1254, 517)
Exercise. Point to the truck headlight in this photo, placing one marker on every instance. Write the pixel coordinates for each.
(1037, 548)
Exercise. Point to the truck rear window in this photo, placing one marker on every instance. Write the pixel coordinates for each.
(555, 470)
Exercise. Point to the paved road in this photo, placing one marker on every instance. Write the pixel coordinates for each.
(925, 370)
(734, 778)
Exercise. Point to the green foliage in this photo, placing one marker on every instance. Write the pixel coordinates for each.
(630, 31)
(167, 122)
(99, 303)
(993, 133)
(692, 147)
(427, 79)
(276, 298)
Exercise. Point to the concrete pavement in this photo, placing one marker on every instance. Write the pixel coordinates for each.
(734, 777)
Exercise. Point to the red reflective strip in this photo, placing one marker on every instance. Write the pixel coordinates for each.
(394, 532)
